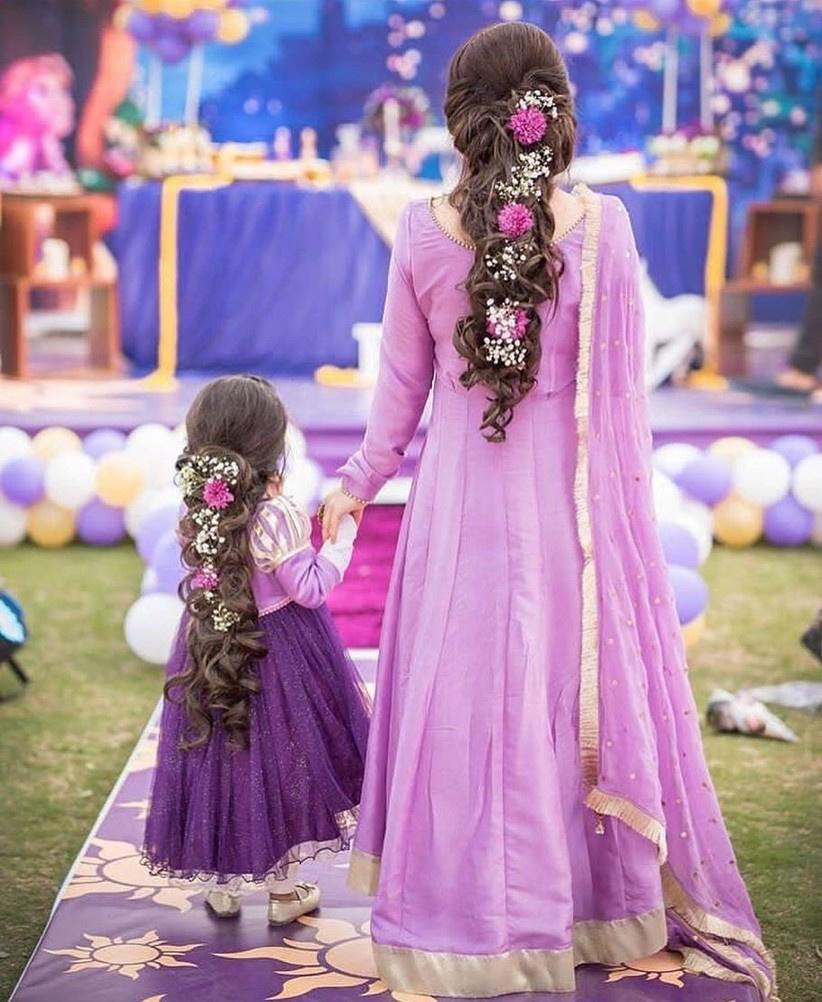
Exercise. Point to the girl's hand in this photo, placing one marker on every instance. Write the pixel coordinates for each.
(337, 504)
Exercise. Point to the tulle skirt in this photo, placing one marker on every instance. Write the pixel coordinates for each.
(231, 816)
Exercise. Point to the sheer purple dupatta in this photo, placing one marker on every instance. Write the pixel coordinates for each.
(640, 742)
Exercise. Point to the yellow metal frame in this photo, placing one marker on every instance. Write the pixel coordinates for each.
(716, 259)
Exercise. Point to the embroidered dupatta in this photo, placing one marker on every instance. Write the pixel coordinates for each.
(634, 689)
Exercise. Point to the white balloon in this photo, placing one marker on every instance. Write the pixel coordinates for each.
(149, 582)
(762, 477)
(671, 459)
(151, 445)
(12, 524)
(701, 532)
(146, 502)
(807, 482)
(667, 497)
(151, 626)
(14, 442)
(69, 479)
(816, 531)
(302, 482)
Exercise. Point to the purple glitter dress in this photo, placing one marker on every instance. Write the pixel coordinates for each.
(237, 816)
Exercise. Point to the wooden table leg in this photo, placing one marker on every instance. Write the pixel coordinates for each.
(733, 324)
(13, 347)
(104, 332)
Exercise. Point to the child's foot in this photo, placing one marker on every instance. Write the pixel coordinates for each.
(223, 904)
(285, 908)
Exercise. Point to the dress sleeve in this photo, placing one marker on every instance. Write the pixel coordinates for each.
(280, 543)
(406, 372)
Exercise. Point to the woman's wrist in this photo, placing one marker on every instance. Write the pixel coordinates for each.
(353, 496)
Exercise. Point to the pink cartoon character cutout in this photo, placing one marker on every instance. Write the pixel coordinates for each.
(36, 114)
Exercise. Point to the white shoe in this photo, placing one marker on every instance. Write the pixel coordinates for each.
(223, 904)
(282, 912)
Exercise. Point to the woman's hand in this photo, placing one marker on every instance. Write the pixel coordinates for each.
(337, 504)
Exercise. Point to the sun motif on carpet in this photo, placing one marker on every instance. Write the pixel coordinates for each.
(128, 957)
(145, 756)
(338, 956)
(117, 869)
(664, 966)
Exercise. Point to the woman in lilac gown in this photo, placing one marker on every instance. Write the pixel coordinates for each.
(536, 796)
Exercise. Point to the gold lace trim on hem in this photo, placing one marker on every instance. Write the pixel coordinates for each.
(364, 872)
(491, 975)
(557, 238)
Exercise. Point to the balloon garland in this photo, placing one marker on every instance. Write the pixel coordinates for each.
(173, 30)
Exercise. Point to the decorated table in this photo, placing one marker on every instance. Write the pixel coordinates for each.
(271, 276)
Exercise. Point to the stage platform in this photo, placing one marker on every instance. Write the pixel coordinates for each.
(333, 418)
(117, 934)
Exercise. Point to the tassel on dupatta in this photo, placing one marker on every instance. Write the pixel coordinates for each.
(640, 744)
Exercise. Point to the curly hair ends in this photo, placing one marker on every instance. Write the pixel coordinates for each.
(487, 76)
(239, 419)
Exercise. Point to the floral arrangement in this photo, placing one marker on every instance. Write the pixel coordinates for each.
(212, 481)
(682, 153)
(507, 321)
(414, 107)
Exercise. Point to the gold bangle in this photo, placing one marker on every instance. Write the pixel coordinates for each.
(353, 497)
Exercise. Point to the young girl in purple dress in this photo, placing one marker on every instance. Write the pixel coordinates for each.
(265, 720)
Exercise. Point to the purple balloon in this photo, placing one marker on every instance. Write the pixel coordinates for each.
(172, 48)
(153, 527)
(665, 10)
(201, 26)
(104, 440)
(22, 480)
(679, 546)
(167, 563)
(787, 523)
(690, 593)
(794, 448)
(100, 524)
(141, 26)
(707, 479)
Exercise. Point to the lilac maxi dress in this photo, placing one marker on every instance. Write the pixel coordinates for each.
(536, 795)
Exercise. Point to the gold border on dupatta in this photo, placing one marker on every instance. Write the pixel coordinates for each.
(701, 923)
(589, 654)
(364, 872)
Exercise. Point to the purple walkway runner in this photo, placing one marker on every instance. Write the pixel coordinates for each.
(117, 934)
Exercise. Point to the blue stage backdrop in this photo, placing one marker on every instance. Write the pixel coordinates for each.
(313, 62)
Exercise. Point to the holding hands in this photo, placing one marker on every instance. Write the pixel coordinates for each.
(336, 505)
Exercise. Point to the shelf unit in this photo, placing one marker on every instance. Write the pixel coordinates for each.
(73, 221)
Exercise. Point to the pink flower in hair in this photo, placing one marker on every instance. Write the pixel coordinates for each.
(520, 323)
(205, 578)
(528, 125)
(515, 219)
(216, 493)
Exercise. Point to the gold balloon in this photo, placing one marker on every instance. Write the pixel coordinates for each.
(646, 21)
(177, 8)
(704, 8)
(720, 25)
(737, 522)
(150, 6)
(233, 27)
(50, 525)
(119, 479)
(731, 448)
(50, 442)
(693, 631)
(212, 4)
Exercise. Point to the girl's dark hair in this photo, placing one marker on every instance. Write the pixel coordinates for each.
(487, 76)
(237, 418)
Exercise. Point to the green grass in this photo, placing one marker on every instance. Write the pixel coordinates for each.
(63, 744)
